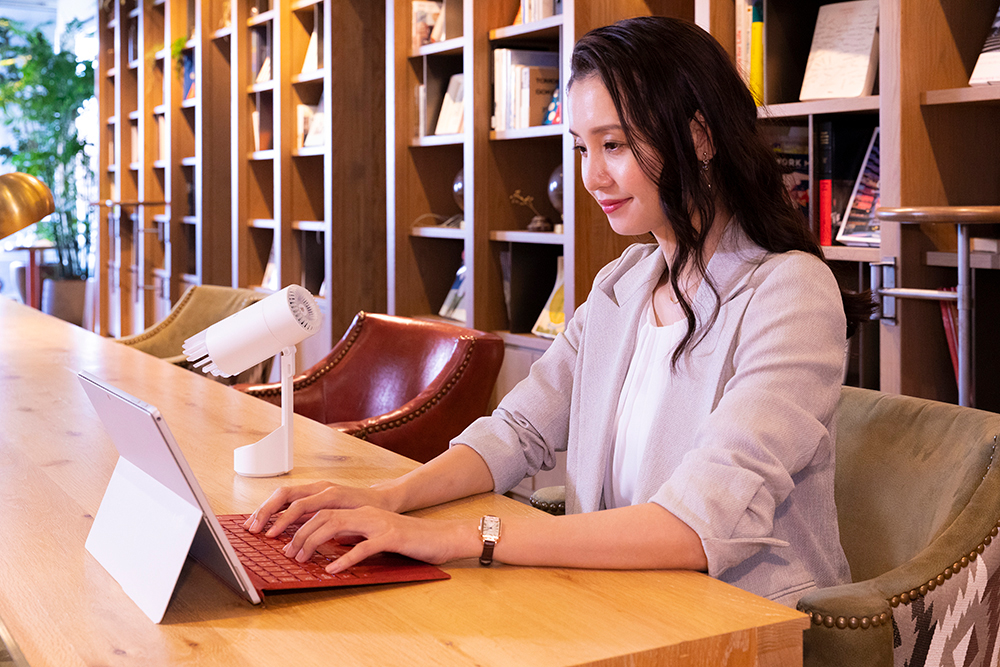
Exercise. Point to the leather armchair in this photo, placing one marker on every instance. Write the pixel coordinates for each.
(404, 384)
(918, 503)
(198, 308)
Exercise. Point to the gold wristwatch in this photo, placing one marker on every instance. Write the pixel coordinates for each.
(489, 530)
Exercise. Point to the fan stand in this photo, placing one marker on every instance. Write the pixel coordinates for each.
(272, 455)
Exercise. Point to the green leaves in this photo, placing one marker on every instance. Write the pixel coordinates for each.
(42, 91)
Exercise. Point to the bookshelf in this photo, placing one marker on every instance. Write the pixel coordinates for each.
(423, 259)
(211, 147)
(938, 139)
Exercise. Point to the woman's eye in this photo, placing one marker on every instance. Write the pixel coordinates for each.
(580, 149)
(612, 145)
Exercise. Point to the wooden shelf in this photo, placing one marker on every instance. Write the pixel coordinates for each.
(977, 260)
(315, 76)
(818, 107)
(973, 95)
(439, 140)
(546, 29)
(438, 232)
(262, 18)
(528, 132)
(843, 253)
(452, 46)
(519, 236)
(309, 225)
(310, 151)
(530, 341)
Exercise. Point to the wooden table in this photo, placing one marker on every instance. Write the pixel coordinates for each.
(62, 608)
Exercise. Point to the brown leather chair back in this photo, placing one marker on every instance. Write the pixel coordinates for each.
(405, 384)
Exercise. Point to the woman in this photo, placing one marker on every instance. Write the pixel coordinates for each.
(694, 390)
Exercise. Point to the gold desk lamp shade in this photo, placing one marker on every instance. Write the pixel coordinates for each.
(24, 200)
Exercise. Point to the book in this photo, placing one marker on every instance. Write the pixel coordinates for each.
(425, 14)
(270, 280)
(453, 307)
(421, 99)
(506, 271)
(316, 133)
(264, 74)
(313, 59)
(757, 52)
(162, 138)
(553, 112)
(842, 146)
(949, 317)
(187, 68)
(260, 53)
(987, 69)
(824, 176)
(537, 87)
(843, 57)
(859, 225)
(303, 116)
(552, 320)
(744, 18)
(225, 14)
(536, 10)
(505, 84)
(791, 148)
(452, 114)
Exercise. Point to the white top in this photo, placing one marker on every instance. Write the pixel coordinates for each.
(648, 378)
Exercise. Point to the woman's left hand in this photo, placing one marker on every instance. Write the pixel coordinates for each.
(375, 530)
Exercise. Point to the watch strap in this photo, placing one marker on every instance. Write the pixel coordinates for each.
(486, 559)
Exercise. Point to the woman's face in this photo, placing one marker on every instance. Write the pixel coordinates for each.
(610, 170)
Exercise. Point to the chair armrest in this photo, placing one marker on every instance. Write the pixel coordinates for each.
(551, 499)
(852, 624)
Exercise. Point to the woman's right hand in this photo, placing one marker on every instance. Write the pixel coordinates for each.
(297, 501)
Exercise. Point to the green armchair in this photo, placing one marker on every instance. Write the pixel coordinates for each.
(198, 308)
(918, 501)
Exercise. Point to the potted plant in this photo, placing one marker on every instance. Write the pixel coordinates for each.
(42, 91)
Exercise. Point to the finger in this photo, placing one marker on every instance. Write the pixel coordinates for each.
(314, 532)
(355, 555)
(281, 497)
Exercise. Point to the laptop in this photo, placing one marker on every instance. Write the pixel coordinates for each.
(154, 514)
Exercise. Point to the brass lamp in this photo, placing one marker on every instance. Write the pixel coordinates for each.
(24, 200)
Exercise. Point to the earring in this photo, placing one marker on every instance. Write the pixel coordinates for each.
(704, 168)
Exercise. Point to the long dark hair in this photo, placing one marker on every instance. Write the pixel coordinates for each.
(659, 72)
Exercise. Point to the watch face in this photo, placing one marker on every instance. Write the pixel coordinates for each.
(490, 527)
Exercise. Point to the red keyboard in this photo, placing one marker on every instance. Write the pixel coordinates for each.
(270, 569)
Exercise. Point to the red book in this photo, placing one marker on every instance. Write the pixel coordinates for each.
(824, 173)
(949, 315)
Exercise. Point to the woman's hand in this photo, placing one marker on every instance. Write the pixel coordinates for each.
(307, 498)
(374, 530)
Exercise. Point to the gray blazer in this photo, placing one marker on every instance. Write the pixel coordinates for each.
(743, 447)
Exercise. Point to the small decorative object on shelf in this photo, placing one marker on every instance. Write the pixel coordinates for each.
(555, 189)
(539, 223)
(458, 189)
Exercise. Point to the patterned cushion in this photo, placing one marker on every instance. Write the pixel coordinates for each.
(956, 624)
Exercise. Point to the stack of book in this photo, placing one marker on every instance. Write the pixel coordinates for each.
(524, 82)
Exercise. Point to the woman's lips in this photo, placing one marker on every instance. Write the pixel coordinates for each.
(611, 205)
